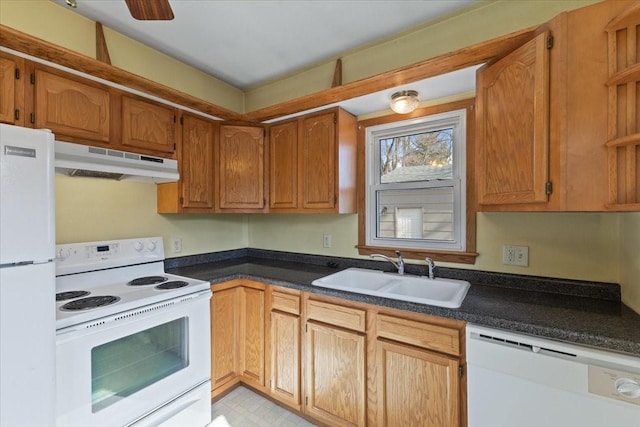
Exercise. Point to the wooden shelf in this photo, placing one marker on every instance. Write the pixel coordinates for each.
(628, 140)
(627, 75)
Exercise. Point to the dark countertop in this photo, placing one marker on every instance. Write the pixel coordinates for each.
(587, 313)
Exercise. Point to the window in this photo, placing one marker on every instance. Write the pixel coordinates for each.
(415, 184)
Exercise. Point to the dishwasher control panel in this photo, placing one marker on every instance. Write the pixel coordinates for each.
(614, 384)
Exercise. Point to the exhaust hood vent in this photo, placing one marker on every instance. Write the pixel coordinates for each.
(85, 161)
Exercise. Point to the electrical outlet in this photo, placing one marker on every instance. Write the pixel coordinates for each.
(326, 240)
(515, 255)
(176, 245)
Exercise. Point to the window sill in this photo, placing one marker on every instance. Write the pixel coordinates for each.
(412, 253)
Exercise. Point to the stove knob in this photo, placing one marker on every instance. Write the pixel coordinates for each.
(62, 254)
(138, 246)
(152, 245)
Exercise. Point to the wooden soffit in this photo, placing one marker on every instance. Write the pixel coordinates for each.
(456, 60)
(25, 43)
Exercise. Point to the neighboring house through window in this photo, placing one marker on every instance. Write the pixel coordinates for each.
(416, 183)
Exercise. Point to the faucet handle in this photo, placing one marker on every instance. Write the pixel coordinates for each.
(431, 266)
(400, 263)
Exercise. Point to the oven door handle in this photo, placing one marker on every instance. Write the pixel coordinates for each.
(175, 415)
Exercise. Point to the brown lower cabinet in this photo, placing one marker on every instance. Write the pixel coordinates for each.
(237, 335)
(283, 352)
(338, 362)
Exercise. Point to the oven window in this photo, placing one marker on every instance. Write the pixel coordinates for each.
(122, 367)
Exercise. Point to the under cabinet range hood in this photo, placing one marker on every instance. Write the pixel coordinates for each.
(86, 161)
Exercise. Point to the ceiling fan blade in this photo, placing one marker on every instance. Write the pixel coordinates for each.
(150, 10)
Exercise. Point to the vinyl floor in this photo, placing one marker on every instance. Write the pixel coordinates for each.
(244, 408)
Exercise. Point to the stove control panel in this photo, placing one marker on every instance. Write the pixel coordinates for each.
(90, 256)
(100, 251)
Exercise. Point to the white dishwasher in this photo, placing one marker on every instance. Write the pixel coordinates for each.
(523, 381)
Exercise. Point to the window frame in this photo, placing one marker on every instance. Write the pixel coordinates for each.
(465, 256)
(456, 120)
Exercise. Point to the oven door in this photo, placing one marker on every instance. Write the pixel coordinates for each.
(116, 370)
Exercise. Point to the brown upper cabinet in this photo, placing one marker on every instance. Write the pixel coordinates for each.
(512, 153)
(283, 166)
(542, 118)
(75, 109)
(7, 95)
(198, 138)
(623, 136)
(11, 90)
(221, 169)
(84, 111)
(148, 125)
(312, 166)
(240, 168)
(194, 191)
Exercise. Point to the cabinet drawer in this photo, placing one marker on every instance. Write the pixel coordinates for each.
(345, 317)
(286, 302)
(425, 335)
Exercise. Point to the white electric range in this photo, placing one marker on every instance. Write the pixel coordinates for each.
(136, 339)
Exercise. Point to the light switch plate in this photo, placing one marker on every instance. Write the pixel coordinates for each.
(176, 245)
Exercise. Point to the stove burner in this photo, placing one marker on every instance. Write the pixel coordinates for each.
(63, 296)
(149, 280)
(89, 302)
(174, 284)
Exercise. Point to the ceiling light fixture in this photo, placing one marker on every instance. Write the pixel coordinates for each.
(404, 102)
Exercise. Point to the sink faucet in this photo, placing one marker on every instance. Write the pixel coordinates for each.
(399, 264)
(430, 266)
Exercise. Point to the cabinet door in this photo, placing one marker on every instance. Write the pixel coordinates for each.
(241, 167)
(513, 126)
(335, 375)
(7, 91)
(285, 357)
(416, 387)
(317, 162)
(623, 145)
(251, 337)
(196, 163)
(283, 167)
(148, 125)
(224, 330)
(71, 108)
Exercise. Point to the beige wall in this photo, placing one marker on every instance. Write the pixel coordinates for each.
(89, 209)
(630, 258)
(569, 245)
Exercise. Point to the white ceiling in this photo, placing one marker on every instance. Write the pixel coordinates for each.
(249, 42)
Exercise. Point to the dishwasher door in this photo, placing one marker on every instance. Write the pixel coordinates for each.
(523, 381)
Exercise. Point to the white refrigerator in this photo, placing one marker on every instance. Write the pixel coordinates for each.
(27, 278)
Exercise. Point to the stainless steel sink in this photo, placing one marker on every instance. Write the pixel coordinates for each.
(439, 292)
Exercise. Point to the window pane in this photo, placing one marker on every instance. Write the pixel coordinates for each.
(421, 156)
(420, 214)
(122, 367)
